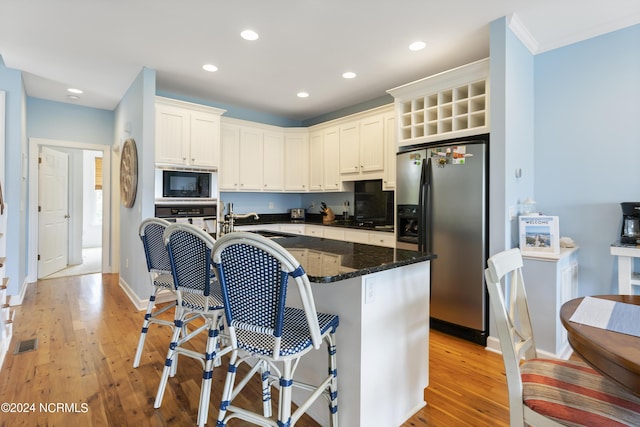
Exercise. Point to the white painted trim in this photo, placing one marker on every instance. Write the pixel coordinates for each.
(17, 299)
(493, 344)
(522, 32)
(141, 304)
(34, 149)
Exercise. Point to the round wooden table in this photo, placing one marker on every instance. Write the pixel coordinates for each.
(614, 354)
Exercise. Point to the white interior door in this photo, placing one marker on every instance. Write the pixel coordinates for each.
(53, 218)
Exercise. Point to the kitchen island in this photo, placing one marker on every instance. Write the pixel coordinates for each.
(382, 297)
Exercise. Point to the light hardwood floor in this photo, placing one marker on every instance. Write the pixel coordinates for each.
(87, 332)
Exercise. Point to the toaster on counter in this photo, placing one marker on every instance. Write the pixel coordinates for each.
(297, 214)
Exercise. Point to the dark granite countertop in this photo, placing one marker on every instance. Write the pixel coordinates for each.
(328, 260)
(313, 219)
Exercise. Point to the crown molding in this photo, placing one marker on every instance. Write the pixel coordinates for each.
(519, 29)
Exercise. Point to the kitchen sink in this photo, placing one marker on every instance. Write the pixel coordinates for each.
(271, 235)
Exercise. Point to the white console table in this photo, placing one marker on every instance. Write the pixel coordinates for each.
(627, 277)
(550, 282)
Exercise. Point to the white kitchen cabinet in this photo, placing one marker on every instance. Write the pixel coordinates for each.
(241, 158)
(316, 158)
(296, 161)
(390, 150)
(377, 238)
(362, 148)
(293, 228)
(229, 173)
(334, 233)
(251, 159)
(380, 238)
(356, 236)
(550, 282)
(313, 230)
(451, 104)
(273, 165)
(331, 159)
(350, 148)
(187, 134)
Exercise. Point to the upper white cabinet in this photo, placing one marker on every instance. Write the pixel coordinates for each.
(362, 148)
(241, 158)
(390, 150)
(330, 159)
(324, 157)
(296, 160)
(273, 161)
(316, 161)
(262, 158)
(251, 159)
(450, 104)
(229, 173)
(187, 134)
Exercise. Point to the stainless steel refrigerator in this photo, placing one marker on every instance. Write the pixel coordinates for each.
(442, 207)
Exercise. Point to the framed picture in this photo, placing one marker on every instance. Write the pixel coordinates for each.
(539, 235)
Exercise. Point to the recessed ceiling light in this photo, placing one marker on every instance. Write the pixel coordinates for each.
(303, 95)
(74, 90)
(418, 45)
(349, 75)
(249, 35)
(210, 68)
(73, 97)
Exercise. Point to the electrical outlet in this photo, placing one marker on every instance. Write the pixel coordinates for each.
(271, 205)
(126, 263)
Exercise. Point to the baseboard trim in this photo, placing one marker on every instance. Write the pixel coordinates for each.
(141, 304)
(493, 344)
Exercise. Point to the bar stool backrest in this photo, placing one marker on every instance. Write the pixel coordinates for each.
(254, 273)
(189, 250)
(151, 232)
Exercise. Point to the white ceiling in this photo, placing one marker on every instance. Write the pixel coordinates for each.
(100, 46)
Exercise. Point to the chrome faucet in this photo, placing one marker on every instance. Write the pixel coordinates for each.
(231, 216)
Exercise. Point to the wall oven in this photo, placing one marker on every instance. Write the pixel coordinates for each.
(201, 215)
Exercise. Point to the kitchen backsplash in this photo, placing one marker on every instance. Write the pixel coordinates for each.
(275, 203)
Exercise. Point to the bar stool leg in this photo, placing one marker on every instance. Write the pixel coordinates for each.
(170, 356)
(333, 385)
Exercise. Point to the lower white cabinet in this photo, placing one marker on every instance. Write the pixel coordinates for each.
(549, 283)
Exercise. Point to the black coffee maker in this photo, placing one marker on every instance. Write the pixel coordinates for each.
(630, 232)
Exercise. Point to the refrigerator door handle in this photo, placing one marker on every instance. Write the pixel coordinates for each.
(423, 203)
(428, 207)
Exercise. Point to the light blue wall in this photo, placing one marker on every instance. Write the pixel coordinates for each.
(587, 145)
(135, 118)
(68, 122)
(14, 188)
(237, 112)
(512, 137)
(282, 203)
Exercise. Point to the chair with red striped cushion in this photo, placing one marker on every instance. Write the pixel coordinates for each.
(547, 392)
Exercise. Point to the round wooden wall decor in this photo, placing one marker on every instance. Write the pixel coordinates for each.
(128, 173)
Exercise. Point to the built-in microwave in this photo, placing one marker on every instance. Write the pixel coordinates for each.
(186, 184)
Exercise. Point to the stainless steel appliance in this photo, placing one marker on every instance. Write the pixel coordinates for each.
(442, 207)
(630, 232)
(297, 214)
(201, 215)
(186, 184)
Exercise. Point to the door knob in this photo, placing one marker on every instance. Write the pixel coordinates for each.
(67, 216)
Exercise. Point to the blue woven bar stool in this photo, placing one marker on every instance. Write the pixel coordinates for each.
(151, 231)
(199, 297)
(267, 334)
